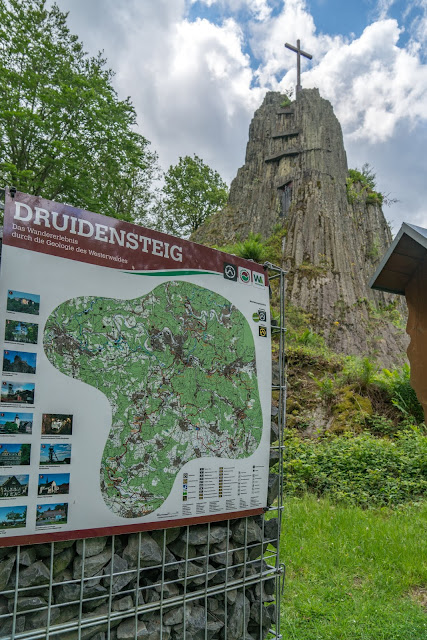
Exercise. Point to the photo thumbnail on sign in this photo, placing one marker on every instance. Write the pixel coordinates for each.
(51, 484)
(13, 486)
(17, 392)
(24, 332)
(19, 362)
(57, 424)
(12, 454)
(13, 517)
(16, 422)
(54, 454)
(21, 302)
(48, 514)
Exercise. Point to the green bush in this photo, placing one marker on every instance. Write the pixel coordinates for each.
(274, 244)
(397, 385)
(366, 178)
(380, 425)
(326, 386)
(361, 372)
(310, 338)
(360, 470)
(287, 99)
(252, 248)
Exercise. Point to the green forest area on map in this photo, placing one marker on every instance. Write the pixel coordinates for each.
(178, 368)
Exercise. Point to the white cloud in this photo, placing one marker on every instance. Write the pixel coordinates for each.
(382, 8)
(191, 87)
(277, 68)
(372, 82)
(194, 89)
(260, 9)
(418, 26)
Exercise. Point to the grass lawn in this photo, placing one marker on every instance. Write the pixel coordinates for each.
(354, 574)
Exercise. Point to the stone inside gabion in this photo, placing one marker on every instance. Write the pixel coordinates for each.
(109, 581)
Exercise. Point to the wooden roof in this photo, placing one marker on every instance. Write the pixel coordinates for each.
(397, 267)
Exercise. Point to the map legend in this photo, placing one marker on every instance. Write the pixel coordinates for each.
(201, 477)
(222, 486)
(256, 480)
(244, 483)
(185, 487)
(210, 483)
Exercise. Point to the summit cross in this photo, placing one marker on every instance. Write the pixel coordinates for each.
(299, 53)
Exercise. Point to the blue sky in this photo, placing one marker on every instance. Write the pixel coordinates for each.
(61, 450)
(336, 17)
(9, 416)
(5, 510)
(196, 70)
(29, 358)
(12, 448)
(20, 294)
(18, 386)
(41, 508)
(60, 478)
(22, 479)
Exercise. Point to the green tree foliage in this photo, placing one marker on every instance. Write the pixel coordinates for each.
(15, 516)
(368, 175)
(64, 134)
(10, 427)
(191, 194)
(252, 248)
(25, 453)
(366, 181)
(11, 334)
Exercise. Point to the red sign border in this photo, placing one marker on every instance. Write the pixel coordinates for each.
(108, 255)
(78, 534)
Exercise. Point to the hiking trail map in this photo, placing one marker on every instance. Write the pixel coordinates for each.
(136, 379)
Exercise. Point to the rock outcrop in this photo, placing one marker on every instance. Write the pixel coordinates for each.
(295, 176)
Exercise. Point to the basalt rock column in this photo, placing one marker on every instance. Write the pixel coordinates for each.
(295, 175)
(332, 245)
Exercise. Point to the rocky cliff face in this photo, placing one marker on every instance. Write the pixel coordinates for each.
(295, 176)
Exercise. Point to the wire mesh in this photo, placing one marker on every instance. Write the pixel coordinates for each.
(216, 581)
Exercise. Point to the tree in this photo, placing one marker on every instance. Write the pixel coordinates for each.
(15, 516)
(191, 194)
(369, 175)
(10, 427)
(25, 453)
(64, 134)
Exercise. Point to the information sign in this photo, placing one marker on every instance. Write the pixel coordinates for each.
(136, 378)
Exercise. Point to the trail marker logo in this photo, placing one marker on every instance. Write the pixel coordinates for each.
(245, 275)
(258, 279)
(263, 332)
(230, 271)
(260, 316)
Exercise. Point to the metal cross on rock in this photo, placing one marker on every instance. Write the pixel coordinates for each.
(299, 53)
